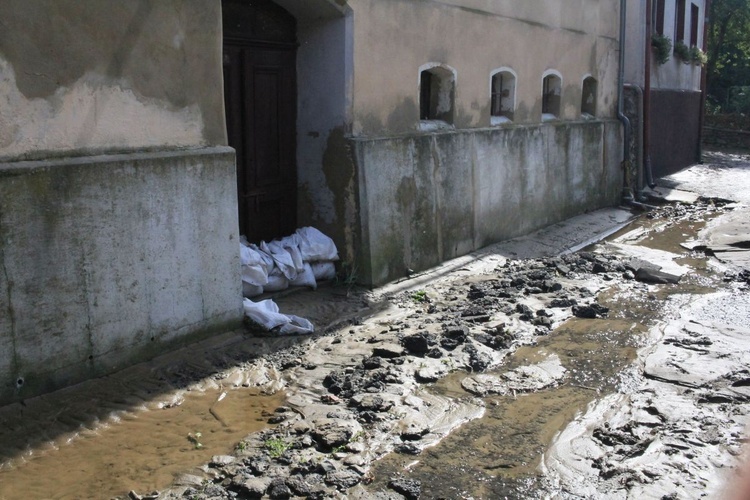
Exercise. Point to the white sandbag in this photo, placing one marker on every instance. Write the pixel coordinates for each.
(253, 268)
(291, 245)
(305, 278)
(315, 245)
(265, 257)
(250, 290)
(281, 258)
(266, 313)
(276, 282)
(323, 271)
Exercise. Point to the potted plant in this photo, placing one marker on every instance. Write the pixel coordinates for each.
(662, 46)
(682, 52)
(697, 56)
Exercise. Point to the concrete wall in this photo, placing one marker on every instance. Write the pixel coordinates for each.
(118, 209)
(325, 177)
(475, 37)
(428, 198)
(100, 76)
(107, 260)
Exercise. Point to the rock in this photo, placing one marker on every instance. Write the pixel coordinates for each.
(372, 362)
(409, 488)
(343, 479)
(430, 373)
(413, 429)
(564, 302)
(189, 480)
(371, 402)
(278, 489)
(524, 310)
(418, 343)
(590, 312)
(388, 351)
(478, 361)
(646, 275)
(254, 487)
(222, 460)
(330, 433)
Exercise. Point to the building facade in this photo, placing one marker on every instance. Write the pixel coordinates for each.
(665, 75)
(139, 139)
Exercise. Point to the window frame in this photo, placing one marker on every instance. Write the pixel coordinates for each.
(502, 116)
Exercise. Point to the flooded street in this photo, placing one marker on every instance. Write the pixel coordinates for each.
(617, 371)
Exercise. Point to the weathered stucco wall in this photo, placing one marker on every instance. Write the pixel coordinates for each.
(100, 76)
(325, 176)
(428, 198)
(475, 37)
(118, 205)
(108, 260)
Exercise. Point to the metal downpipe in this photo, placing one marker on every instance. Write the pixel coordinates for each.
(626, 189)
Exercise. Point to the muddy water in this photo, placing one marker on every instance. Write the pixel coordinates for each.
(498, 455)
(141, 448)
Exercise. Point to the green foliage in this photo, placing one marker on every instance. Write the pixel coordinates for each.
(662, 46)
(682, 51)
(697, 56)
(276, 447)
(728, 50)
(419, 296)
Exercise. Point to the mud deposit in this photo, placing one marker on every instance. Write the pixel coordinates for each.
(493, 380)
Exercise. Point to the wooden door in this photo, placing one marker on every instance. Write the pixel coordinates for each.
(260, 100)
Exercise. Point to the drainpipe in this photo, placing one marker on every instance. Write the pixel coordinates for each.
(639, 144)
(627, 191)
(704, 76)
(647, 100)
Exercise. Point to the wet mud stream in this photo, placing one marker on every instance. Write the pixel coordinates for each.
(138, 447)
(498, 455)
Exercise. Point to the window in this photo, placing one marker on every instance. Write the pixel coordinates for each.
(551, 87)
(694, 12)
(658, 17)
(502, 96)
(588, 97)
(680, 20)
(436, 95)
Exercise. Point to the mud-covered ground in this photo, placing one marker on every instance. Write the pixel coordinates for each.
(619, 371)
(603, 373)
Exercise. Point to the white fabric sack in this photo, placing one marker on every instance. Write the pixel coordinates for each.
(323, 271)
(254, 270)
(266, 313)
(315, 245)
(305, 278)
(281, 258)
(276, 282)
(291, 245)
(250, 290)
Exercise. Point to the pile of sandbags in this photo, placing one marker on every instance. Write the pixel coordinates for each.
(301, 259)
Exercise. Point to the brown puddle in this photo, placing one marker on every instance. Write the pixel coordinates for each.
(141, 449)
(497, 455)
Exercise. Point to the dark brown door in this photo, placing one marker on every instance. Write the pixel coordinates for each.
(260, 99)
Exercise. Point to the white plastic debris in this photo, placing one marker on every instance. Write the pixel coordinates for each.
(266, 313)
